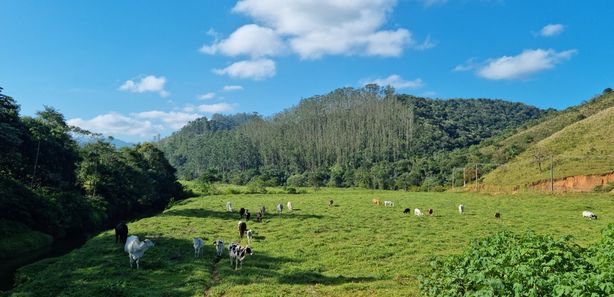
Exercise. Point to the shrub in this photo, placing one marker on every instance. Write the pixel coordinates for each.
(507, 264)
(297, 180)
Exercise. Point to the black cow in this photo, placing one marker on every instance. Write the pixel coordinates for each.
(121, 233)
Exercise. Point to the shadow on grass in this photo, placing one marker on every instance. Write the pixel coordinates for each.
(309, 277)
(206, 213)
(101, 268)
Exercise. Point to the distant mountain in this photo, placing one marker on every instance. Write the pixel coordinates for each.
(350, 137)
(118, 143)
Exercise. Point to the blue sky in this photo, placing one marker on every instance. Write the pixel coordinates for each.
(133, 69)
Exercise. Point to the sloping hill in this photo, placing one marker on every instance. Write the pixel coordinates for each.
(585, 147)
(509, 147)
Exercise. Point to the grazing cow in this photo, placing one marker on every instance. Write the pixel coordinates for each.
(430, 211)
(242, 212)
(121, 233)
(589, 215)
(198, 246)
(461, 209)
(249, 234)
(289, 205)
(330, 203)
(280, 208)
(219, 247)
(376, 201)
(247, 215)
(242, 228)
(237, 254)
(258, 217)
(407, 210)
(388, 203)
(136, 249)
(418, 212)
(497, 215)
(228, 206)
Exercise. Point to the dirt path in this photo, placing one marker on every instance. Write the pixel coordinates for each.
(215, 277)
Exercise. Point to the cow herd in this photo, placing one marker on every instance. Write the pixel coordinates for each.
(237, 253)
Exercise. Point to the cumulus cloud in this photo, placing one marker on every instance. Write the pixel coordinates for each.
(206, 96)
(232, 88)
(149, 83)
(251, 40)
(249, 69)
(397, 82)
(116, 124)
(216, 108)
(313, 29)
(551, 30)
(321, 27)
(523, 64)
(144, 125)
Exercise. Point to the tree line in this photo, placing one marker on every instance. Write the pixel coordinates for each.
(51, 184)
(369, 137)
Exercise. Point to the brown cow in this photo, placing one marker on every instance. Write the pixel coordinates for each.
(376, 201)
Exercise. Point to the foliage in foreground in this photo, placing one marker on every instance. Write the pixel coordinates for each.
(508, 264)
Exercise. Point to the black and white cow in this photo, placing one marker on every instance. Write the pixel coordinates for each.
(242, 212)
(237, 254)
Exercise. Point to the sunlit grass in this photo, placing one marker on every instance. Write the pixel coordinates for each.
(351, 249)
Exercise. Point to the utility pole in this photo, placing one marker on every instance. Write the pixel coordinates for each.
(464, 177)
(551, 173)
(476, 176)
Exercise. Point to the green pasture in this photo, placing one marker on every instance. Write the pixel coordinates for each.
(354, 248)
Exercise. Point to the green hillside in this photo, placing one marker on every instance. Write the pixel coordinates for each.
(369, 137)
(517, 142)
(585, 147)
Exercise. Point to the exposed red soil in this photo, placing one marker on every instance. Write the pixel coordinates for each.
(578, 183)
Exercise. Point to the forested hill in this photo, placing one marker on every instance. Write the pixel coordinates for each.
(350, 137)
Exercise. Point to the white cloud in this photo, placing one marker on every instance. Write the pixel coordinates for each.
(468, 65)
(142, 124)
(251, 40)
(216, 108)
(173, 120)
(232, 88)
(523, 64)
(552, 30)
(116, 124)
(426, 44)
(250, 69)
(206, 96)
(316, 28)
(398, 82)
(150, 83)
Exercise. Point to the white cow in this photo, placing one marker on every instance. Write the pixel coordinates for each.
(250, 235)
(229, 206)
(388, 203)
(280, 208)
(461, 209)
(198, 246)
(289, 205)
(136, 249)
(219, 247)
(418, 212)
(589, 215)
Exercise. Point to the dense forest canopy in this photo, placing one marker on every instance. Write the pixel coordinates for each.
(369, 137)
(51, 184)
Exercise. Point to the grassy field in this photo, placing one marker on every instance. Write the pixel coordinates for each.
(351, 249)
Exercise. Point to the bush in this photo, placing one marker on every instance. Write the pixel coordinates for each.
(256, 186)
(297, 180)
(507, 264)
(291, 190)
